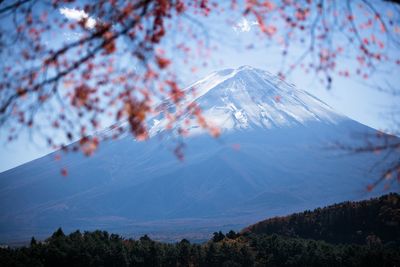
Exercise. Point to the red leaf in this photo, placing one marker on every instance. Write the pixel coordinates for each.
(370, 187)
(215, 131)
(64, 172)
(162, 62)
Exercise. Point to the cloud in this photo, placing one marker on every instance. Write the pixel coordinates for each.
(76, 14)
(244, 25)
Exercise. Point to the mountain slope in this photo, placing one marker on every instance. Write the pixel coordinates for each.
(272, 159)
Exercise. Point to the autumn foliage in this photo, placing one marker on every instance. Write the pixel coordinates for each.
(112, 63)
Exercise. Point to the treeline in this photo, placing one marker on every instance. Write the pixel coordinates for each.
(253, 247)
(348, 222)
(99, 248)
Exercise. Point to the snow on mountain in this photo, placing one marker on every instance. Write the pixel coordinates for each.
(246, 98)
(271, 159)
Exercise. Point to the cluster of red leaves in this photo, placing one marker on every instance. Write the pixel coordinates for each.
(81, 96)
(201, 120)
(176, 93)
(88, 145)
(329, 31)
(109, 45)
(86, 70)
(136, 113)
(259, 10)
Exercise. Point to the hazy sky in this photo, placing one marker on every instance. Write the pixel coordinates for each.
(350, 97)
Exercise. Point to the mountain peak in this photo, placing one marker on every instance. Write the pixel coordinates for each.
(243, 68)
(248, 98)
(232, 72)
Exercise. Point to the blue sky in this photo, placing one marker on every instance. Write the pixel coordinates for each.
(353, 98)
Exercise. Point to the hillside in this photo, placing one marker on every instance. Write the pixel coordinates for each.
(347, 222)
(257, 245)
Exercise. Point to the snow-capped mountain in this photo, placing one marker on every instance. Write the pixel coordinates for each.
(246, 98)
(272, 158)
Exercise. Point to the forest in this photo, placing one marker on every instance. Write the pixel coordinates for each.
(362, 233)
